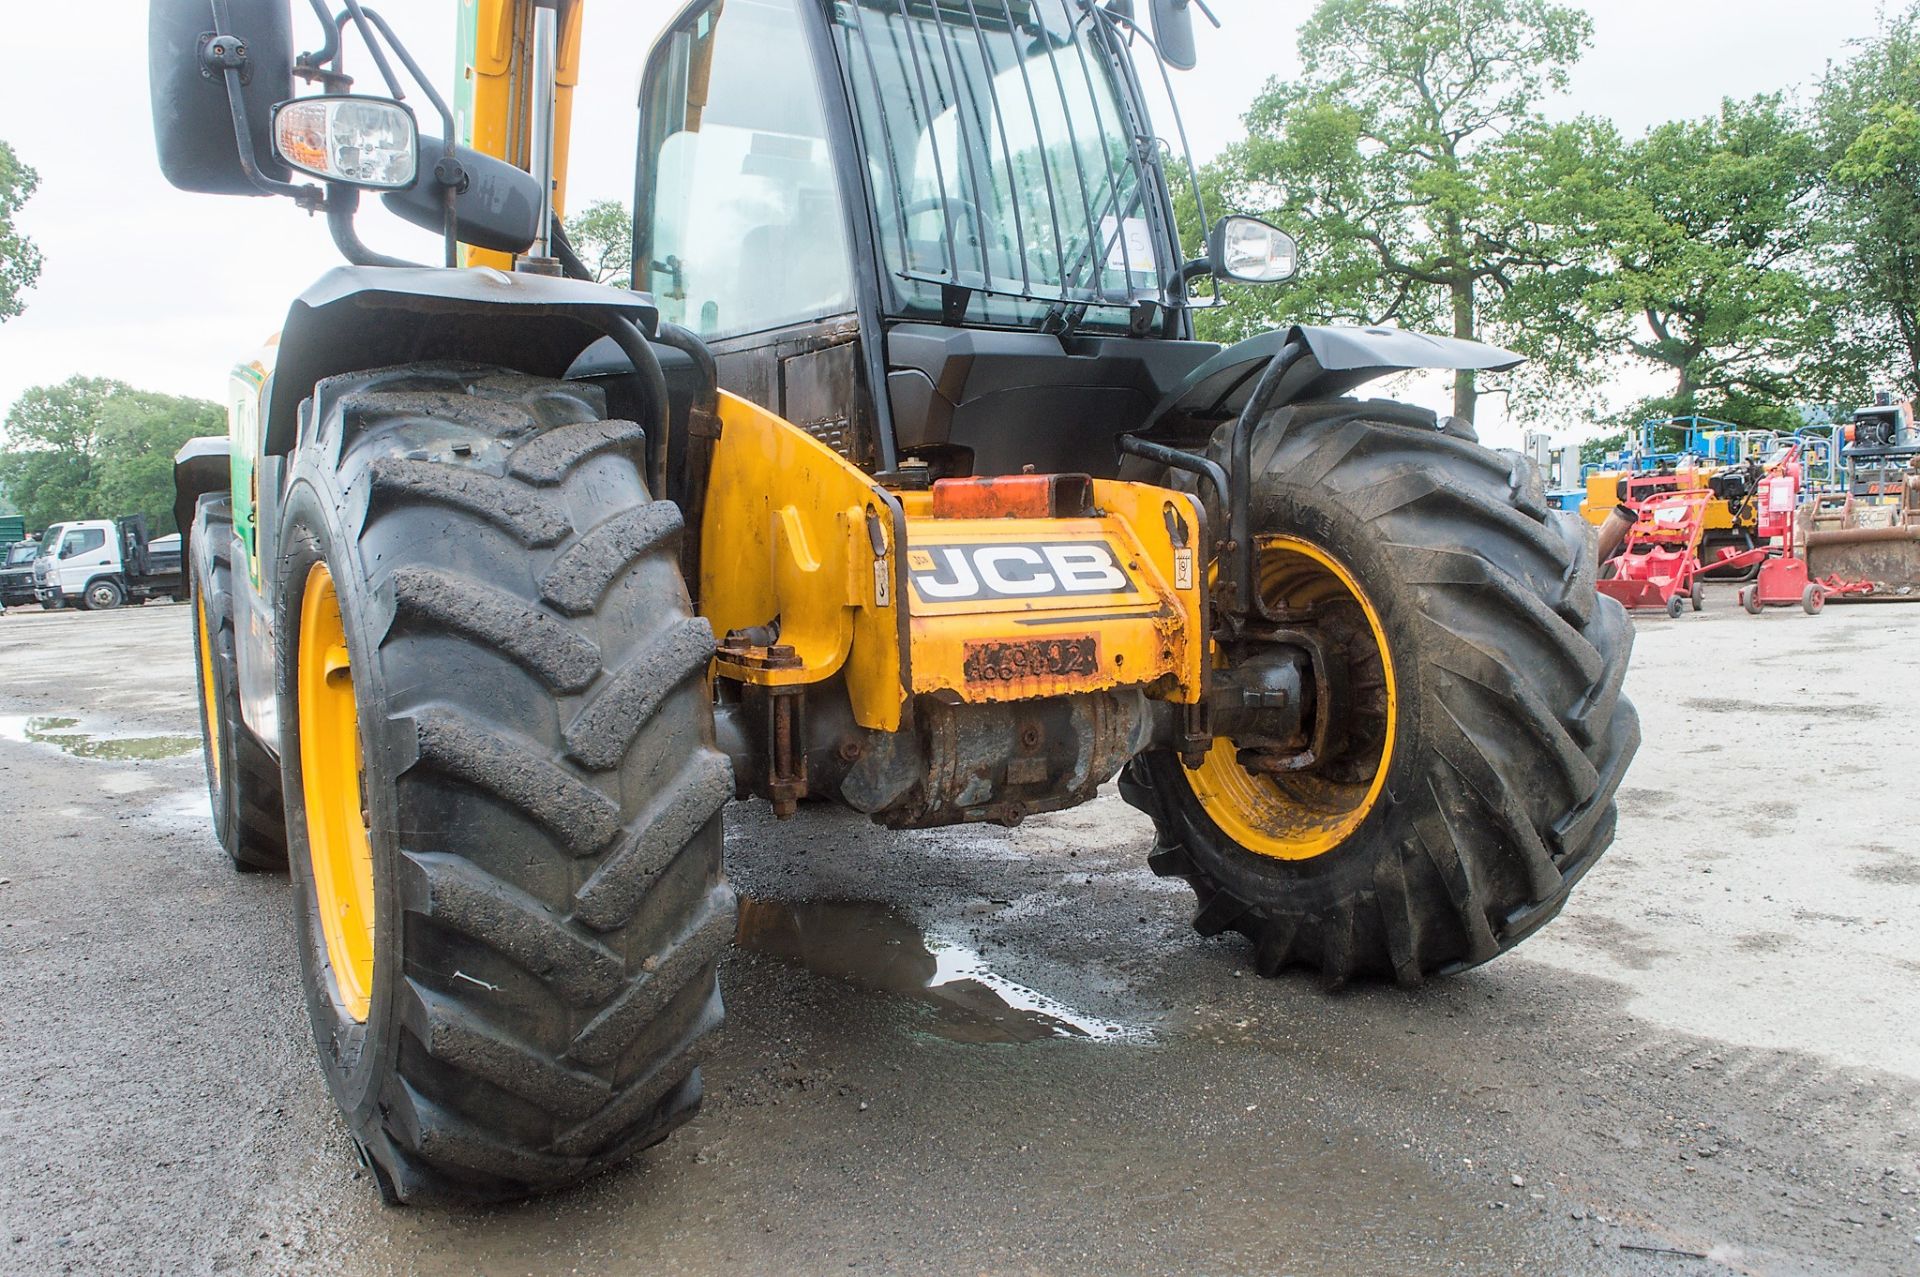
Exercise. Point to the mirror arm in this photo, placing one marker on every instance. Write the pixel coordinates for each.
(1198, 268)
(226, 54)
(342, 203)
(447, 171)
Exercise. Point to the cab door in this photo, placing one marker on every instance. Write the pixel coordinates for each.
(84, 553)
(742, 228)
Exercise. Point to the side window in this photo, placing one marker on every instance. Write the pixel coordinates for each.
(84, 541)
(742, 228)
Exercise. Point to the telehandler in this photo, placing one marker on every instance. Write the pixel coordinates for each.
(897, 480)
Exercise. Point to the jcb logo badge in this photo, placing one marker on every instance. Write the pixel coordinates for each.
(962, 573)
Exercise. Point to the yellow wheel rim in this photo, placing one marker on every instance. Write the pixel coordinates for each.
(331, 770)
(208, 694)
(1304, 815)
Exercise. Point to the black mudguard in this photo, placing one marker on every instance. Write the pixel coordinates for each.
(358, 317)
(1338, 360)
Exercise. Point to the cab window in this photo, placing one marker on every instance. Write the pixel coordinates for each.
(741, 228)
(83, 541)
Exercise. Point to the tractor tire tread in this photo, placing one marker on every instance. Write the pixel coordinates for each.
(1527, 734)
(565, 922)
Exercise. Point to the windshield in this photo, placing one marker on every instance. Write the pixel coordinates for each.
(1001, 160)
(22, 553)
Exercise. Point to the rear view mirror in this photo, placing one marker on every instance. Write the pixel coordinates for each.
(1173, 33)
(192, 119)
(1250, 251)
(495, 206)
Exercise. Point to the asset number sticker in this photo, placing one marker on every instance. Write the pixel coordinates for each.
(1016, 661)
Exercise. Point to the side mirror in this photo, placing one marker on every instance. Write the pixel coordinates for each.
(347, 138)
(496, 205)
(1173, 32)
(192, 118)
(1247, 250)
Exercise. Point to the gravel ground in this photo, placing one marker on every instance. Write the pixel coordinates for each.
(1710, 1057)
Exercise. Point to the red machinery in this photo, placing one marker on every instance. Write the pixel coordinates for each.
(1784, 580)
(1659, 566)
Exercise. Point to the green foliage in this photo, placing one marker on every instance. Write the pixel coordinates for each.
(1868, 116)
(1411, 160)
(1699, 237)
(91, 448)
(19, 259)
(602, 234)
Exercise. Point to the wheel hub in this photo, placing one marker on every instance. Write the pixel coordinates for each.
(1305, 711)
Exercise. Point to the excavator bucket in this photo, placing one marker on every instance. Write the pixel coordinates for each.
(1866, 540)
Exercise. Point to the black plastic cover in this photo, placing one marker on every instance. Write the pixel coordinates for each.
(192, 121)
(499, 208)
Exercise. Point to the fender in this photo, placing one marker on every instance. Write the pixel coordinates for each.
(358, 317)
(201, 466)
(1338, 360)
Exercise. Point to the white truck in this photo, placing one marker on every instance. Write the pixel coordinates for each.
(103, 563)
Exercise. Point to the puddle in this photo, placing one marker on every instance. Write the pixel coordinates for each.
(61, 734)
(871, 945)
(187, 807)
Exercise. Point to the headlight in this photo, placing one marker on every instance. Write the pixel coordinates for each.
(1250, 251)
(361, 141)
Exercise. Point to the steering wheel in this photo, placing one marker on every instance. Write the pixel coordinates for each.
(966, 217)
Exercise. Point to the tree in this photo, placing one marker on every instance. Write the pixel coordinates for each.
(1411, 159)
(1700, 232)
(1868, 114)
(93, 448)
(602, 234)
(19, 259)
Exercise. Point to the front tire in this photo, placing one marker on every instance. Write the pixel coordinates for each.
(103, 596)
(502, 786)
(1478, 781)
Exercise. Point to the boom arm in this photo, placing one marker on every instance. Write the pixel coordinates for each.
(494, 45)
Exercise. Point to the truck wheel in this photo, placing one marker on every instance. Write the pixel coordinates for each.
(103, 596)
(243, 780)
(1486, 735)
(503, 791)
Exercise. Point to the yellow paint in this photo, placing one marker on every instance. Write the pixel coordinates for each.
(1603, 494)
(1297, 817)
(788, 533)
(1150, 635)
(207, 691)
(331, 770)
(502, 109)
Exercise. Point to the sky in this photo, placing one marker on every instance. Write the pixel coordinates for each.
(163, 289)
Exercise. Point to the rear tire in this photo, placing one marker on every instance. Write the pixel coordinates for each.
(243, 779)
(1510, 735)
(1812, 599)
(540, 782)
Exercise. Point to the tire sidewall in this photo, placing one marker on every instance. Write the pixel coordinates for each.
(216, 600)
(351, 1054)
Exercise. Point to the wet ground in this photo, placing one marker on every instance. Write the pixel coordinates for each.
(990, 1051)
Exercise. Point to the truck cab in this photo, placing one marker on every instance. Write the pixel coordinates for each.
(16, 573)
(102, 563)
